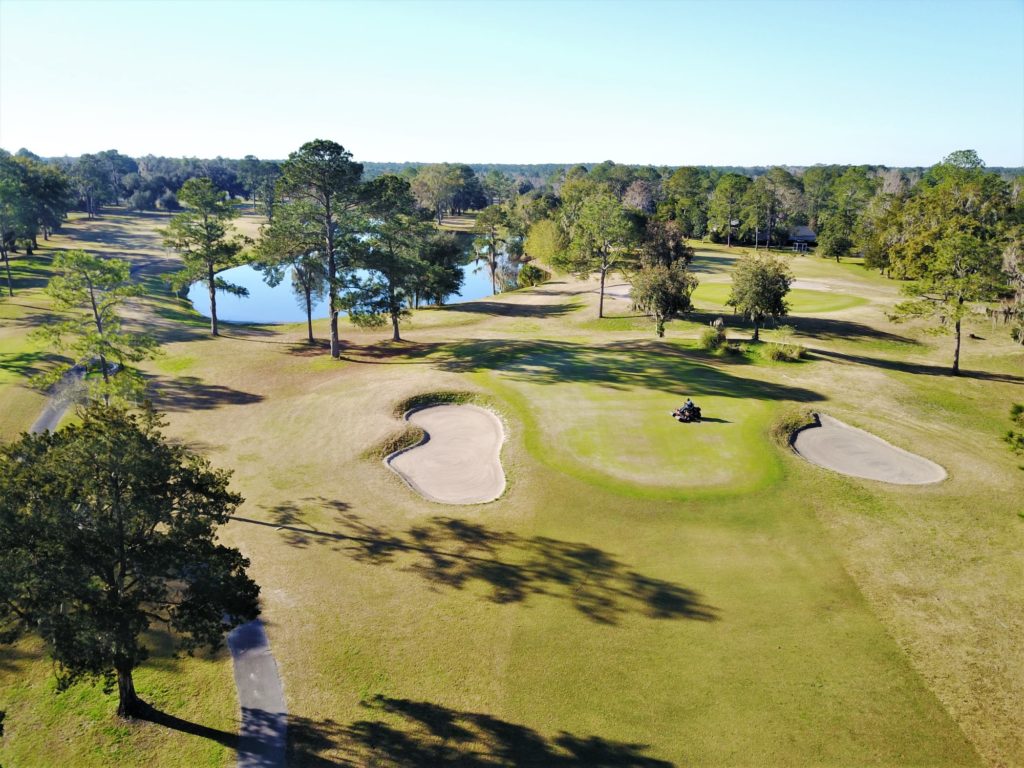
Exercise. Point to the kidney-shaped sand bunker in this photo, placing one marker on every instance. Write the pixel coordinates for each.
(460, 460)
(837, 446)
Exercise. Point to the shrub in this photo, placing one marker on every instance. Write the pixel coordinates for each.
(781, 352)
(712, 339)
(531, 274)
(785, 349)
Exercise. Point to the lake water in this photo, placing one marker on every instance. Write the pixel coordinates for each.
(279, 304)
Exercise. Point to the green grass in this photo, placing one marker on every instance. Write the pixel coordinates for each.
(603, 414)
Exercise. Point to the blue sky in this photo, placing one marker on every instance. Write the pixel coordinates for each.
(734, 82)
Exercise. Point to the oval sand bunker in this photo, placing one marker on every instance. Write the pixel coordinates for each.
(851, 451)
(460, 461)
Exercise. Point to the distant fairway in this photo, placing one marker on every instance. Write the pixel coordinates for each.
(801, 300)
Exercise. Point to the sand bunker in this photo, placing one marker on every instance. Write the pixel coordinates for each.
(851, 451)
(460, 461)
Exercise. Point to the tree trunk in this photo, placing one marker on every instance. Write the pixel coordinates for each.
(211, 281)
(309, 316)
(128, 702)
(10, 283)
(956, 349)
(600, 300)
(332, 287)
(757, 336)
(395, 336)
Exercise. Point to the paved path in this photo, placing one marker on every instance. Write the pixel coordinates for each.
(58, 403)
(264, 730)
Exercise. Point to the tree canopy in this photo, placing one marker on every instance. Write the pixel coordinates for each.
(322, 173)
(203, 236)
(90, 290)
(760, 283)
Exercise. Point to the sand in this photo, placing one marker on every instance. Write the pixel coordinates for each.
(851, 451)
(460, 460)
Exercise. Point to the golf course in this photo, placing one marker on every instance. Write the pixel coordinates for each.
(489, 544)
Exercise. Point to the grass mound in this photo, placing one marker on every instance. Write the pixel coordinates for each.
(410, 434)
(397, 441)
(790, 421)
(442, 397)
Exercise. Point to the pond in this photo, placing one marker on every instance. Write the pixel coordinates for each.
(280, 305)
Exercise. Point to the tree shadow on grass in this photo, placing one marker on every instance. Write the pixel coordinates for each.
(508, 309)
(403, 733)
(153, 715)
(653, 365)
(924, 369)
(306, 348)
(391, 352)
(449, 553)
(27, 364)
(189, 393)
(805, 325)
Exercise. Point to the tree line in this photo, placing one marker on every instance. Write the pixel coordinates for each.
(913, 224)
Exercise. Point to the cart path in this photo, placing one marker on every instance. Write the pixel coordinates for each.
(263, 733)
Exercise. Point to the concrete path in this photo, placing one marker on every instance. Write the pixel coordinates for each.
(264, 731)
(460, 460)
(851, 451)
(59, 401)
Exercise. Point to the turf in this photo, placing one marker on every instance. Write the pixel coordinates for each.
(644, 593)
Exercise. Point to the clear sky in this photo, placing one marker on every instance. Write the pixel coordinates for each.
(726, 83)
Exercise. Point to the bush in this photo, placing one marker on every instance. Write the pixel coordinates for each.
(783, 352)
(785, 349)
(531, 274)
(713, 338)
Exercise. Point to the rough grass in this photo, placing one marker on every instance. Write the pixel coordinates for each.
(646, 591)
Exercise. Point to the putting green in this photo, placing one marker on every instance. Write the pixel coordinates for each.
(602, 413)
(801, 300)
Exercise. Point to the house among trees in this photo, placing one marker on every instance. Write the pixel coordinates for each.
(802, 237)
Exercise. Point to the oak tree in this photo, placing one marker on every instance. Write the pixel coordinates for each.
(107, 529)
